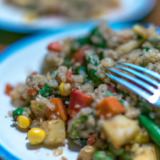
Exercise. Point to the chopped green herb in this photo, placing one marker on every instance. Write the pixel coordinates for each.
(87, 80)
(101, 55)
(83, 141)
(144, 107)
(78, 43)
(81, 69)
(45, 91)
(123, 94)
(139, 37)
(74, 133)
(28, 104)
(146, 48)
(67, 62)
(96, 33)
(95, 79)
(121, 101)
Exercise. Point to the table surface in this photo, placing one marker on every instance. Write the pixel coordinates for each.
(7, 38)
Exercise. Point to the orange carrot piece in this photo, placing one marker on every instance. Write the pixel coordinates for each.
(31, 92)
(8, 89)
(69, 76)
(55, 46)
(108, 107)
(60, 107)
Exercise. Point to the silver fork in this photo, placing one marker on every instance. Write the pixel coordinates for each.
(152, 85)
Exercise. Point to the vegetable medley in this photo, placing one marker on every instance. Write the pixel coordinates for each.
(73, 98)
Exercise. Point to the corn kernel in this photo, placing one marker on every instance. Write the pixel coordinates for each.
(36, 135)
(65, 89)
(23, 121)
(142, 31)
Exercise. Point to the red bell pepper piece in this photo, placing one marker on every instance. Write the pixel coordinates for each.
(78, 56)
(78, 100)
(91, 140)
(55, 46)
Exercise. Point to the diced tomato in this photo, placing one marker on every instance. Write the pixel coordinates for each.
(34, 73)
(39, 86)
(78, 56)
(8, 89)
(55, 46)
(31, 92)
(111, 89)
(91, 140)
(69, 76)
(78, 100)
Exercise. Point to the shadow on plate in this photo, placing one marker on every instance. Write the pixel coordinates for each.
(71, 146)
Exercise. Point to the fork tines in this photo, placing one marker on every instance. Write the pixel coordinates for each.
(141, 84)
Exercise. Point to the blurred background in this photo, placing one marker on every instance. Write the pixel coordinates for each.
(10, 32)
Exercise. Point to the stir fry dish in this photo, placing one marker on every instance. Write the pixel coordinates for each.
(72, 98)
(80, 9)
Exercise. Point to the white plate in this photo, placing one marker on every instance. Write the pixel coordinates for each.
(12, 18)
(16, 62)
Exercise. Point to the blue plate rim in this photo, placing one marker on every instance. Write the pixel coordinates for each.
(11, 49)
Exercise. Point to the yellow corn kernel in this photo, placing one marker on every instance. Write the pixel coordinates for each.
(23, 121)
(65, 89)
(36, 135)
(142, 31)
